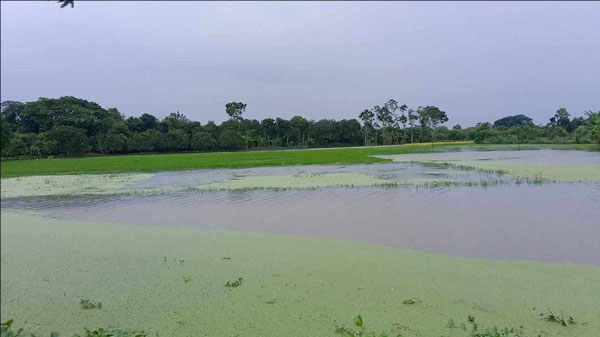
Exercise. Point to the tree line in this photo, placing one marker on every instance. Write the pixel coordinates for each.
(70, 126)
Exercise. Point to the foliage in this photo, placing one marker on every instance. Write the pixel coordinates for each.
(70, 126)
(188, 161)
(359, 330)
(511, 121)
(234, 284)
(7, 331)
(552, 317)
(87, 304)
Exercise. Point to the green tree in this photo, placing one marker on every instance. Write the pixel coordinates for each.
(367, 117)
(299, 127)
(203, 141)
(511, 121)
(433, 117)
(594, 123)
(561, 118)
(5, 135)
(16, 148)
(235, 110)
(68, 140)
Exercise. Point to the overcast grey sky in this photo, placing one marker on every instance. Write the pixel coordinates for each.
(476, 61)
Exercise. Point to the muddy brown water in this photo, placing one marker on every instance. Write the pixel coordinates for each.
(504, 220)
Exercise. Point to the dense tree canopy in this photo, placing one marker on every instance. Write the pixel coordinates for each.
(511, 121)
(70, 126)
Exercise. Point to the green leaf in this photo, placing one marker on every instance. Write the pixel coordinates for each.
(358, 321)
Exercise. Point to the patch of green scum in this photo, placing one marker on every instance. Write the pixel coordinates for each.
(35, 186)
(532, 171)
(300, 181)
(292, 286)
(543, 172)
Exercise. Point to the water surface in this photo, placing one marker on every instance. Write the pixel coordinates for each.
(503, 220)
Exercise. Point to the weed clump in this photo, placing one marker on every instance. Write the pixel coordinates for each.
(411, 301)
(359, 330)
(87, 304)
(7, 331)
(551, 317)
(234, 284)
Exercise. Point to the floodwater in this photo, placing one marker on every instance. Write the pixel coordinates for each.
(500, 220)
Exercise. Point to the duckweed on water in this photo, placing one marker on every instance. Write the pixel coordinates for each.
(531, 171)
(35, 186)
(49, 263)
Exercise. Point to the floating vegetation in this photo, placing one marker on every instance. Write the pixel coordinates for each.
(87, 304)
(225, 258)
(535, 172)
(299, 181)
(411, 301)
(75, 184)
(187, 279)
(7, 331)
(552, 317)
(359, 330)
(271, 261)
(234, 284)
(477, 331)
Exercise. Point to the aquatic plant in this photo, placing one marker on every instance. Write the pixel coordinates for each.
(552, 317)
(7, 331)
(234, 284)
(410, 301)
(298, 181)
(359, 330)
(187, 279)
(87, 304)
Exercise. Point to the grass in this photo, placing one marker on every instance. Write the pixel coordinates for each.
(187, 161)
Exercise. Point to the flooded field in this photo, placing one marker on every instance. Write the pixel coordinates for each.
(430, 208)
(156, 249)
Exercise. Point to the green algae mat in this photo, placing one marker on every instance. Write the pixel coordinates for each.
(171, 282)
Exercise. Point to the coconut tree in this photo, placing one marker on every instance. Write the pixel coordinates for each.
(247, 139)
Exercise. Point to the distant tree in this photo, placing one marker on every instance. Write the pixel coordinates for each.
(402, 119)
(594, 123)
(247, 138)
(483, 131)
(432, 116)
(16, 148)
(148, 121)
(299, 127)
(176, 120)
(6, 134)
(68, 140)
(511, 121)
(230, 140)
(367, 118)
(412, 118)
(203, 141)
(235, 110)
(561, 118)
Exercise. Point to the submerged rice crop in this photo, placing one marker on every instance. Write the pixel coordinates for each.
(535, 172)
(298, 181)
(77, 184)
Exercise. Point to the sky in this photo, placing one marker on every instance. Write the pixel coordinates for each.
(476, 61)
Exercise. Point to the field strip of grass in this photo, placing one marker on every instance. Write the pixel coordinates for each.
(183, 161)
(188, 161)
(170, 281)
